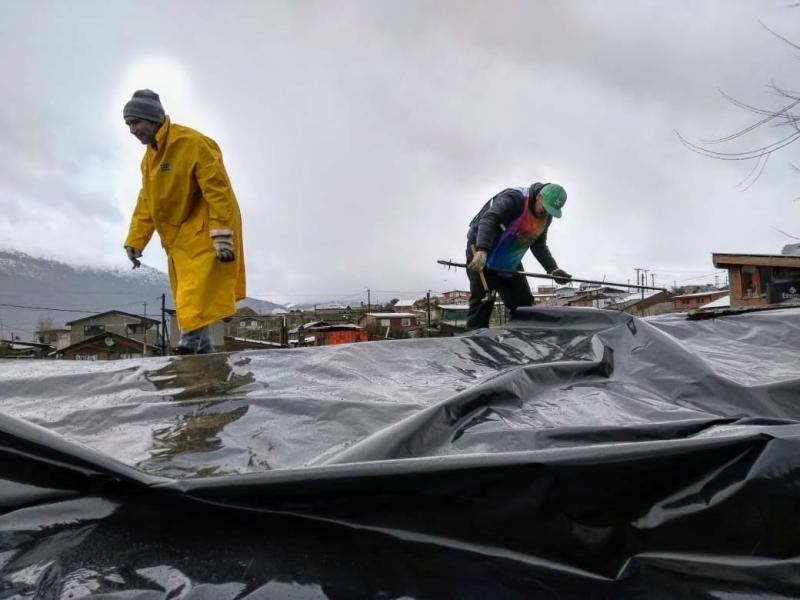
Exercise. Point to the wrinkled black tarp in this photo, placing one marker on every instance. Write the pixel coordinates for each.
(576, 453)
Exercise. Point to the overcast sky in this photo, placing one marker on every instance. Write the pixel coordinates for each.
(361, 137)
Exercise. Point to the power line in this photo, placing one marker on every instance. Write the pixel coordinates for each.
(71, 310)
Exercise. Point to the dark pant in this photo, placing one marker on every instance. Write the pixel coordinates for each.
(513, 290)
(197, 341)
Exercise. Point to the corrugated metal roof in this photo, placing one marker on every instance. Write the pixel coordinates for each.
(719, 302)
(109, 312)
(696, 294)
(252, 341)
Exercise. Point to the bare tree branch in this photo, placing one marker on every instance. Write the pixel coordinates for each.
(785, 116)
(783, 232)
(779, 36)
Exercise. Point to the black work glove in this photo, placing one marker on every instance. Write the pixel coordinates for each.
(560, 276)
(223, 247)
(134, 255)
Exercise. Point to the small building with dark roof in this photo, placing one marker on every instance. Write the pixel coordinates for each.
(698, 299)
(128, 325)
(761, 279)
(107, 346)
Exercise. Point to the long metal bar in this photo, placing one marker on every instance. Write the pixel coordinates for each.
(543, 276)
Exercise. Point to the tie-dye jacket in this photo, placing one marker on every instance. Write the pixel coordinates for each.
(506, 230)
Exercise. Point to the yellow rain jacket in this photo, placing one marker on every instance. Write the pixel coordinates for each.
(186, 195)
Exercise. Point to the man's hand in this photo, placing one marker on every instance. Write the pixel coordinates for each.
(133, 256)
(478, 261)
(223, 246)
(560, 276)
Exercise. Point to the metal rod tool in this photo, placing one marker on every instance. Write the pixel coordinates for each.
(449, 263)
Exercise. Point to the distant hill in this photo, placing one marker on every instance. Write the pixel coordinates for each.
(33, 290)
(262, 307)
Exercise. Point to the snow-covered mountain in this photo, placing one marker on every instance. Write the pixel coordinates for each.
(37, 290)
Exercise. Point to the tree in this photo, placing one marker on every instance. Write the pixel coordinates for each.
(43, 324)
(783, 119)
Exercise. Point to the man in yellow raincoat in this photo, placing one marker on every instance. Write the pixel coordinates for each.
(187, 198)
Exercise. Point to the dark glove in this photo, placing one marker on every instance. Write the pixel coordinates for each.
(133, 256)
(223, 246)
(478, 261)
(560, 276)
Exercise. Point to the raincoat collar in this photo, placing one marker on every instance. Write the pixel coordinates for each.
(161, 134)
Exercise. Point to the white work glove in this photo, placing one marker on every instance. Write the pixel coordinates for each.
(478, 261)
(133, 256)
(223, 246)
(560, 276)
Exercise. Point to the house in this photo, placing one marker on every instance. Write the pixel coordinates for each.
(406, 305)
(420, 308)
(455, 297)
(299, 336)
(546, 299)
(107, 345)
(598, 296)
(454, 314)
(143, 331)
(273, 327)
(247, 318)
(322, 333)
(342, 333)
(723, 302)
(333, 313)
(57, 338)
(646, 303)
(246, 323)
(689, 301)
(17, 349)
(388, 321)
(565, 291)
(761, 279)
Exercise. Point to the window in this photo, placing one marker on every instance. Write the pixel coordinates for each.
(385, 322)
(751, 286)
(130, 355)
(765, 277)
(92, 330)
(137, 328)
(405, 322)
(86, 357)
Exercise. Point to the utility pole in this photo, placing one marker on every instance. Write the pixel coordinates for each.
(653, 279)
(369, 301)
(163, 325)
(429, 309)
(638, 278)
(144, 331)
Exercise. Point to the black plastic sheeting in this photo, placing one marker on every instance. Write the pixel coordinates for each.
(577, 453)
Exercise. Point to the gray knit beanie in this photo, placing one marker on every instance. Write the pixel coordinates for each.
(146, 105)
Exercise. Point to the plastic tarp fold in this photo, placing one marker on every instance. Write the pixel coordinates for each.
(573, 453)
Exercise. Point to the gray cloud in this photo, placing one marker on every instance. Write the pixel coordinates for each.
(361, 137)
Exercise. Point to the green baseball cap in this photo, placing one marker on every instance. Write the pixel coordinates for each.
(554, 197)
